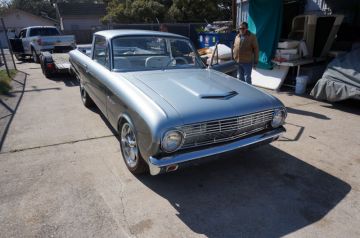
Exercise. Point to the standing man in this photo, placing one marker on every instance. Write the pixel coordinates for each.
(163, 28)
(246, 52)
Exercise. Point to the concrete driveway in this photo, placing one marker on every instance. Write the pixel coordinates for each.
(62, 175)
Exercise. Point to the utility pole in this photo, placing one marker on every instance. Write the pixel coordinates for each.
(233, 12)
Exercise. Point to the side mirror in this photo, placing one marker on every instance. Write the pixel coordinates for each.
(215, 53)
(232, 50)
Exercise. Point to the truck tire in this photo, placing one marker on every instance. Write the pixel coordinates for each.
(35, 57)
(19, 57)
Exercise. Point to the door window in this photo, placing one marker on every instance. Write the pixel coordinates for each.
(101, 51)
(22, 34)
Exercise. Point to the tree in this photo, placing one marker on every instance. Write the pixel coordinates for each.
(116, 12)
(147, 11)
(40, 7)
(128, 11)
(194, 11)
(134, 11)
(36, 7)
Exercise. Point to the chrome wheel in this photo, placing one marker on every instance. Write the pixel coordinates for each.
(129, 145)
(85, 98)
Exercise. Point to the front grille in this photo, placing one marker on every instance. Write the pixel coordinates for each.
(211, 132)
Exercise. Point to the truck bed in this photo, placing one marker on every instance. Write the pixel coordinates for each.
(61, 61)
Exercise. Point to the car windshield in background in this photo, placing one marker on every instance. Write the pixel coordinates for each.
(44, 31)
(150, 52)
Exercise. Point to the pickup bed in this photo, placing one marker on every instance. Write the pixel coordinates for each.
(36, 39)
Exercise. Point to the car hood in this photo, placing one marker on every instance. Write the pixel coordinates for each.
(202, 95)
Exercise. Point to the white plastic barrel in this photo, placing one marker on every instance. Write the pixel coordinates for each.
(301, 82)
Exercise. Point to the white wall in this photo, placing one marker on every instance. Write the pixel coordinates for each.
(20, 19)
(17, 19)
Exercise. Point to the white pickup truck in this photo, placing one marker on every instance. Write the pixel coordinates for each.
(33, 40)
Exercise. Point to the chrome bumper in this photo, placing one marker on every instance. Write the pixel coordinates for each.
(158, 166)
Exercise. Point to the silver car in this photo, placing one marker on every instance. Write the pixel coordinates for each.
(169, 109)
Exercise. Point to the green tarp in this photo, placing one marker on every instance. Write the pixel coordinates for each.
(265, 20)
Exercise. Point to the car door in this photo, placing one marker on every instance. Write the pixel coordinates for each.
(228, 67)
(25, 36)
(95, 72)
(17, 43)
(17, 46)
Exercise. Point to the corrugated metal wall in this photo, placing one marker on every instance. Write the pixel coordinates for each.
(242, 11)
(312, 6)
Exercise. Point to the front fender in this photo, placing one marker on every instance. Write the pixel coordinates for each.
(147, 139)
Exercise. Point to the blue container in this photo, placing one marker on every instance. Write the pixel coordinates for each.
(207, 39)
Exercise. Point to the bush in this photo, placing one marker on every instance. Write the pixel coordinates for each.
(5, 81)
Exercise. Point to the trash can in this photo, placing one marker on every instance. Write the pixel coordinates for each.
(207, 39)
(301, 82)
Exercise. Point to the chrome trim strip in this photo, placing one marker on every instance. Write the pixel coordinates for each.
(157, 166)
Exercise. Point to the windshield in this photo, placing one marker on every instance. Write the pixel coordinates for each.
(44, 31)
(153, 53)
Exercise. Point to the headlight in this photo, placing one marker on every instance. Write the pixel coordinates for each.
(279, 118)
(172, 141)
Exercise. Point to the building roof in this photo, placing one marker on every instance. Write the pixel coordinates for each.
(19, 11)
(81, 9)
(109, 34)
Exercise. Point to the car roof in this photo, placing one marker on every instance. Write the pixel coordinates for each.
(40, 27)
(109, 34)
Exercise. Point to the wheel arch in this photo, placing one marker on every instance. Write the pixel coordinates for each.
(147, 144)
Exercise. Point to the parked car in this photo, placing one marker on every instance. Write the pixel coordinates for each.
(168, 108)
(35, 39)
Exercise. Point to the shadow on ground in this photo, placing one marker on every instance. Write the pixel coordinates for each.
(10, 103)
(264, 192)
(349, 106)
(67, 79)
(307, 113)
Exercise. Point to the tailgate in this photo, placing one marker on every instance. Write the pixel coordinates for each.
(66, 40)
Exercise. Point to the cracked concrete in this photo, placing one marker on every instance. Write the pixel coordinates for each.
(57, 144)
(62, 175)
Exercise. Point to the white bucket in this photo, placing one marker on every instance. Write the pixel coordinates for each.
(301, 82)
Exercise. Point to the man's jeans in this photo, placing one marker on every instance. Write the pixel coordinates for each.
(244, 72)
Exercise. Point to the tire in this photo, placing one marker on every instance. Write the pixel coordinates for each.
(19, 57)
(34, 56)
(129, 149)
(85, 97)
(48, 74)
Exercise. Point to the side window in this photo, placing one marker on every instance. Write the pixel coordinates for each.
(101, 51)
(33, 32)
